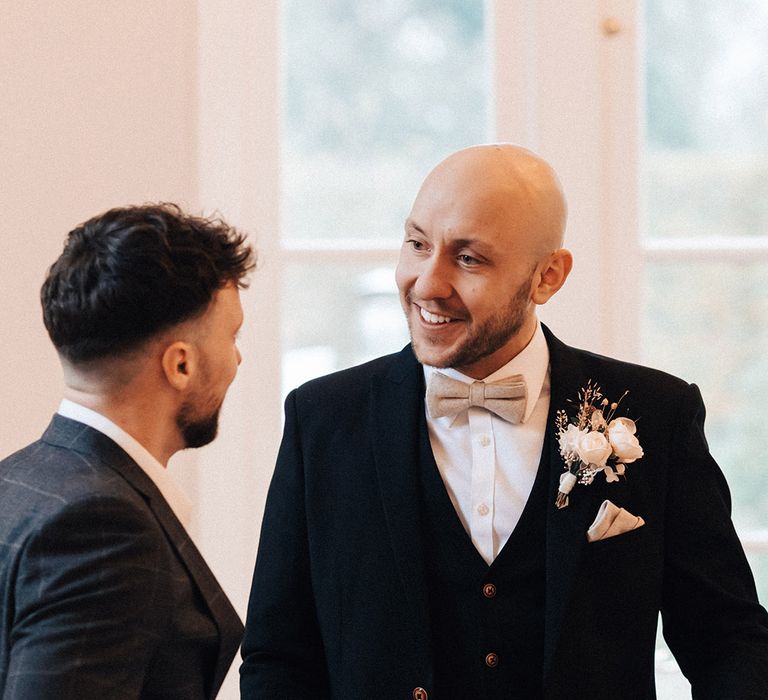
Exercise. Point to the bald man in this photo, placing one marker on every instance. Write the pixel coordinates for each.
(479, 516)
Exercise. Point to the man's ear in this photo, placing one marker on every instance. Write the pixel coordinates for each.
(551, 275)
(179, 362)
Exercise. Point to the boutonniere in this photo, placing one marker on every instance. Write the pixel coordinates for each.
(594, 440)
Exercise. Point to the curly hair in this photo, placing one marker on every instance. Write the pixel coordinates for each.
(128, 274)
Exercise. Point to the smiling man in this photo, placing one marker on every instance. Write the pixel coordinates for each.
(102, 592)
(482, 247)
(478, 516)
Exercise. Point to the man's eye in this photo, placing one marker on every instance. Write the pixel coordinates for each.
(416, 245)
(468, 260)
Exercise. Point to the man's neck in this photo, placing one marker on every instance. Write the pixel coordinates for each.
(142, 420)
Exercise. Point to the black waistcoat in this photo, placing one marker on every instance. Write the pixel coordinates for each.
(487, 623)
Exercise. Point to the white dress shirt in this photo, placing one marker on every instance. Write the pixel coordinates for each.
(487, 464)
(176, 499)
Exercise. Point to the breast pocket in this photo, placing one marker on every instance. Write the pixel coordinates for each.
(622, 571)
(618, 580)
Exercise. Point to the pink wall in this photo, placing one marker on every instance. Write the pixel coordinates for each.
(97, 109)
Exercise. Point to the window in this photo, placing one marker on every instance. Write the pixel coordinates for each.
(705, 230)
(705, 236)
(654, 117)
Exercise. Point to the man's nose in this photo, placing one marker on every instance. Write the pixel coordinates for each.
(433, 281)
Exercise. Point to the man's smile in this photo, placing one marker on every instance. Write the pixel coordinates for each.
(429, 317)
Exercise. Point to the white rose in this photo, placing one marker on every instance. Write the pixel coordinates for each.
(594, 449)
(621, 433)
(628, 423)
(569, 439)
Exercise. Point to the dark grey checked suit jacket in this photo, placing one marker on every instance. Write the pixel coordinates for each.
(102, 593)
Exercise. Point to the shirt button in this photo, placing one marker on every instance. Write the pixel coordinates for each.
(492, 660)
(485, 440)
(489, 590)
(483, 509)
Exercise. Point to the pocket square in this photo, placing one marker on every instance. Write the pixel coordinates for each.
(611, 521)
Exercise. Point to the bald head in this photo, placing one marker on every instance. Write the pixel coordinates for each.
(481, 251)
(502, 184)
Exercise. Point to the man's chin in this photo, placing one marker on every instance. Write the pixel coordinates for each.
(196, 437)
(198, 433)
(432, 356)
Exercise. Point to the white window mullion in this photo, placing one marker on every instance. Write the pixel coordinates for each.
(737, 248)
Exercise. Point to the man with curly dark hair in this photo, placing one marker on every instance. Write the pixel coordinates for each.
(102, 593)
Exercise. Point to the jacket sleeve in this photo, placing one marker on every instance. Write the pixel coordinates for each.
(86, 618)
(712, 621)
(282, 649)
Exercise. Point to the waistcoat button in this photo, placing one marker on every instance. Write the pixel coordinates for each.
(492, 660)
(420, 694)
(489, 590)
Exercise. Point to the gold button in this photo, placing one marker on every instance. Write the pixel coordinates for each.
(489, 590)
(492, 660)
(420, 694)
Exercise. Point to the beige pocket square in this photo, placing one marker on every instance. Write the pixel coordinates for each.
(611, 521)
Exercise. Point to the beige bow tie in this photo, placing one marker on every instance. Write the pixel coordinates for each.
(506, 398)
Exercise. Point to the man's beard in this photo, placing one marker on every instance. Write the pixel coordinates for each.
(491, 335)
(197, 431)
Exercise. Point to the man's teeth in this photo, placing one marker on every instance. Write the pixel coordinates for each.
(433, 318)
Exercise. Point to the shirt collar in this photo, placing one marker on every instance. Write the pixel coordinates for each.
(177, 500)
(532, 362)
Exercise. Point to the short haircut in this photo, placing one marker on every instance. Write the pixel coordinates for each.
(129, 274)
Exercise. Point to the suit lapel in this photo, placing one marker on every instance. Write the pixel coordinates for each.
(227, 620)
(82, 438)
(397, 403)
(566, 527)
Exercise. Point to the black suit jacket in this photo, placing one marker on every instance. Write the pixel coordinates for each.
(339, 607)
(102, 593)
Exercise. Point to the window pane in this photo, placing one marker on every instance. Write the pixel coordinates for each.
(708, 323)
(338, 315)
(706, 151)
(671, 684)
(759, 564)
(374, 94)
